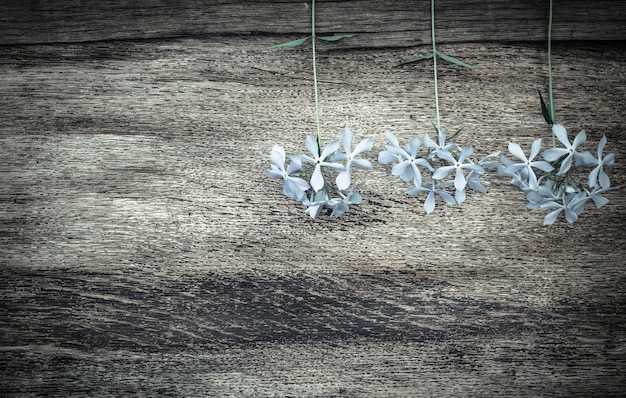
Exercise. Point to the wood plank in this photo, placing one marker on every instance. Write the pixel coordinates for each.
(378, 23)
(143, 249)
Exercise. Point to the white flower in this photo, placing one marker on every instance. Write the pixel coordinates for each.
(343, 179)
(319, 159)
(569, 151)
(293, 187)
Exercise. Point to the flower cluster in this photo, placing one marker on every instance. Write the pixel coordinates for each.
(439, 160)
(553, 183)
(318, 192)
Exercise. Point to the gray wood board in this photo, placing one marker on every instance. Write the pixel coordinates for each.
(144, 249)
(378, 23)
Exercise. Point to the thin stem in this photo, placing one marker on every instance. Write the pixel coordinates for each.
(550, 95)
(432, 24)
(317, 108)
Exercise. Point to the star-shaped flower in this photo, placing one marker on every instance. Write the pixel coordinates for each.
(598, 175)
(293, 187)
(573, 204)
(441, 141)
(315, 206)
(569, 151)
(343, 179)
(598, 200)
(341, 205)
(456, 164)
(473, 178)
(408, 158)
(528, 163)
(320, 160)
(429, 203)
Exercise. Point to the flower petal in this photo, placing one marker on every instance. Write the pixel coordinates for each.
(294, 166)
(459, 180)
(346, 139)
(449, 199)
(561, 134)
(274, 173)
(343, 179)
(442, 172)
(363, 146)
(329, 149)
(553, 154)
(599, 201)
(466, 153)
(317, 179)
(535, 148)
(551, 217)
(580, 139)
(601, 145)
(429, 204)
(414, 145)
(428, 142)
(517, 151)
(445, 155)
(604, 180)
(543, 166)
(311, 144)
(277, 156)
(391, 139)
(593, 176)
(460, 195)
(386, 157)
(570, 215)
(294, 188)
(567, 163)
(362, 164)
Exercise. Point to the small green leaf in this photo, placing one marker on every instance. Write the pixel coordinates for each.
(455, 134)
(455, 61)
(334, 38)
(293, 43)
(422, 57)
(545, 110)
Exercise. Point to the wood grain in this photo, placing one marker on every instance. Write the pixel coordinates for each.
(144, 252)
(398, 23)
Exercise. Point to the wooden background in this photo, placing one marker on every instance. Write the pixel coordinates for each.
(144, 252)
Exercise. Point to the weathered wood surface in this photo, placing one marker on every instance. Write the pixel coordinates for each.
(144, 250)
(398, 23)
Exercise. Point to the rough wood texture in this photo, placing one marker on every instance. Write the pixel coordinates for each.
(143, 249)
(378, 23)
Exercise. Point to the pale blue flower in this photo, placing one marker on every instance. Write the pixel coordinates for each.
(458, 165)
(473, 178)
(320, 160)
(429, 203)
(315, 206)
(408, 159)
(343, 179)
(544, 193)
(554, 154)
(528, 163)
(598, 200)
(341, 205)
(573, 204)
(474, 182)
(441, 141)
(598, 175)
(293, 187)
(518, 179)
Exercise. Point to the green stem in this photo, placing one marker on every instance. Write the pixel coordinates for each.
(432, 25)
(317, 108)
(550, 95)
